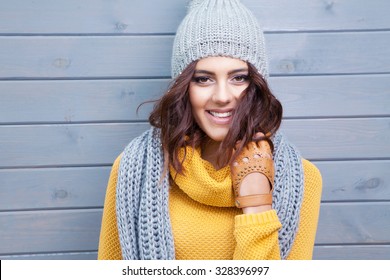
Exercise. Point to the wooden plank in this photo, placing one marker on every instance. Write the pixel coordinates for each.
(86, 144)
(159, 16)
(354, 223)
(77, 101)
(340, 139)
(48, 188)
(53, 256)
(352, 252)
(355, 180)
(53, 145)
(58, 57)
(90, 16)
(49, 231)
(326, 96)
(141, 56)
(328, 53)
(117, 100)
(365, 252)
(78, 230)
(305, 15)
(20, 100)
(339, 252)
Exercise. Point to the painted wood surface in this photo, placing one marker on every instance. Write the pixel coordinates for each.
(75, 187)
(354, 223)
(361, 180)
(120, 17)
(69, 145)
(74, 230)
(51, 188)
(73, 73)
(335, 252)
(53, 256)
(73, 101)
(50, 231)
(352, 252)
(122, 57)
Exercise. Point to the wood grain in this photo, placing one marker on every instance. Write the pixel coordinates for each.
(49, 231)
(361, 180)
(26, 232)
(354, 223)
(51, 188)
(117, 100)
(57, 57)
(160, 16)
(73, 73)
(352, 252)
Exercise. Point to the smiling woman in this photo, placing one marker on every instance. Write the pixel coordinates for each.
(213, 178)
(214, 92)
(221, 97)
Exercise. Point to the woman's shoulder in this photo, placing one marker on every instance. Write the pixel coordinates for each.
(115, 165)
(310, 167)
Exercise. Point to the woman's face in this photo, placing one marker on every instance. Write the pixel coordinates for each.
(214, 91)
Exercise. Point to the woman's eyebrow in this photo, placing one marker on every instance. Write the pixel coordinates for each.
(238, 70)
(203, 72)
(229, 73)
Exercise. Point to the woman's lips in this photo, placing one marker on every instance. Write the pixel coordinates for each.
(220, 117)
(221, 114)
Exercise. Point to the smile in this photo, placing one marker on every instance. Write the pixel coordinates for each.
(221, 115)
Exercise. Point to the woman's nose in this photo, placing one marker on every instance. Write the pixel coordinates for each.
(222, 94)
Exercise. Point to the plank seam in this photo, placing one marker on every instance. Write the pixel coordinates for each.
(21, 254)
(150, 34)
(50, 210)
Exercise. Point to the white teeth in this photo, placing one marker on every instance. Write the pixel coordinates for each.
(221, 115)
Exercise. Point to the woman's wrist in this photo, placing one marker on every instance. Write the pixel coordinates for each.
(256, 209)
(252, 184)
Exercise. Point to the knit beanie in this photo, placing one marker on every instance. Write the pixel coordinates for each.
(219, 28)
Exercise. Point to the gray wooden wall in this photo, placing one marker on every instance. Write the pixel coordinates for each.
(73, 72)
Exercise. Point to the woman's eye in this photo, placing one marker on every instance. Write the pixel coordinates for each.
(201, 80)
(241, 78)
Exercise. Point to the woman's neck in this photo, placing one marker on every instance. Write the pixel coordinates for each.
(209, 149)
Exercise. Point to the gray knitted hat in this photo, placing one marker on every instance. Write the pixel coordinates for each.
(219, 28)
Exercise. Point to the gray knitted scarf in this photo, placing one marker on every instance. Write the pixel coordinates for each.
(142, 198)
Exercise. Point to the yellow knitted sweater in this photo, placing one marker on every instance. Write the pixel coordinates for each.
(207, 225)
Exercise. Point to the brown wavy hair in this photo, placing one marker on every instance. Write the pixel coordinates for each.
(257, 110)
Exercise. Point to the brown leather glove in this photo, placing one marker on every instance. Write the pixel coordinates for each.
(255, 157)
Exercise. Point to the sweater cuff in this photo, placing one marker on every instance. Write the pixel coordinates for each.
(256, 219)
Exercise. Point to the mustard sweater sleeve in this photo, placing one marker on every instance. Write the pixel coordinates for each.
(257, 234)
(109, 246)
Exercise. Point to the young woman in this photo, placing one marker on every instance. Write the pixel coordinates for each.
(213, 178)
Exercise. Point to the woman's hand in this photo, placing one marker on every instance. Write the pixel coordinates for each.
(253, 176)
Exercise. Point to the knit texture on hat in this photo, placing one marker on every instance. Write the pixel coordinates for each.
(219, 28)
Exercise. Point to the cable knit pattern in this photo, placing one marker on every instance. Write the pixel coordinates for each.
(219, 28)
(288, 191)
(142, 202)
